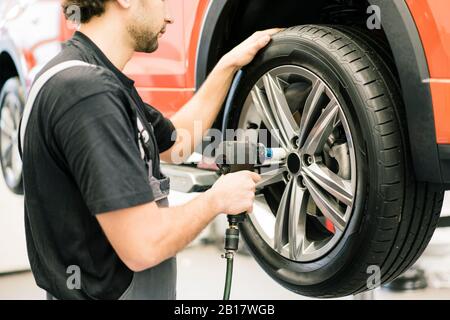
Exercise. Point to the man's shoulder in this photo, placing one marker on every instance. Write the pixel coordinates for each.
(82, 81)
(80, 90)
(73, 85)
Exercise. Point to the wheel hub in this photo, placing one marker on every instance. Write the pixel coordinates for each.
(294, 163)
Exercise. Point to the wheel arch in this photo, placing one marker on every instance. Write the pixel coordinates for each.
(409, 54)
(403, 37)
(210, 28)
(11, 63)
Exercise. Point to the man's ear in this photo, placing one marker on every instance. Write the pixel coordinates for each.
(126, 4)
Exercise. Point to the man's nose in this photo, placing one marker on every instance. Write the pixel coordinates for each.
(169, 19)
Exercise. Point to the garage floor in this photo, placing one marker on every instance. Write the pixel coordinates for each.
(201, 272)
(201, 276)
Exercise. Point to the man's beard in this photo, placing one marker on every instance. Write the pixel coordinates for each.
(144, 40)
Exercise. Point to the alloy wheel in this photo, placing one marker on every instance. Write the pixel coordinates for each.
(306, 199)
(9, 128)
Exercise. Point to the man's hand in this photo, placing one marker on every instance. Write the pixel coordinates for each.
(146, 235)
(234, 193)
(212, 94)
(245, 52)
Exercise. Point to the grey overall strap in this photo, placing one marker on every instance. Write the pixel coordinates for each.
(162, 188)
(36, 88)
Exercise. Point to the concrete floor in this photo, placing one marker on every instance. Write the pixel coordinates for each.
(201, 271)
(201, 277)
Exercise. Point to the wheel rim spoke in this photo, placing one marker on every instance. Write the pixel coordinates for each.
(280, 109)
(11, 106)
(331, 182)
(7, 122)
(7, 154)
(327, 205)
(17, 118)
(282, 220)
(318, 89)
(271, 177)
(297, 222)
(5, 130)
(262, 106)
(322, 129)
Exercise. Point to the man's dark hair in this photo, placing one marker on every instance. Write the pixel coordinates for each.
(88, 8)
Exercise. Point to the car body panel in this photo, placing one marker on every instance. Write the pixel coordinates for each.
(433, 24)
(165, 78)
(31, 51)
(168, 78)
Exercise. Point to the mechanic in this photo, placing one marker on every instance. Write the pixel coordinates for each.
(95, 199)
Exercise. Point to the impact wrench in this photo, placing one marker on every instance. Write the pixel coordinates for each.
(234, 156)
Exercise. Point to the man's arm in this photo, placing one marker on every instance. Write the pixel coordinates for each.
(144, 236)
(204, 107)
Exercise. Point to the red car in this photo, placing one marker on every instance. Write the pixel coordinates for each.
(359, 92)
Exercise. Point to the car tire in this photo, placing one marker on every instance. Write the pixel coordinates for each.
(391, 218)
(11, 107)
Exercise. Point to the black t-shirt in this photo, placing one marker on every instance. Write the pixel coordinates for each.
(82, 158)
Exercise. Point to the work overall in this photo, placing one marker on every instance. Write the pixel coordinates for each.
(159, 282)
